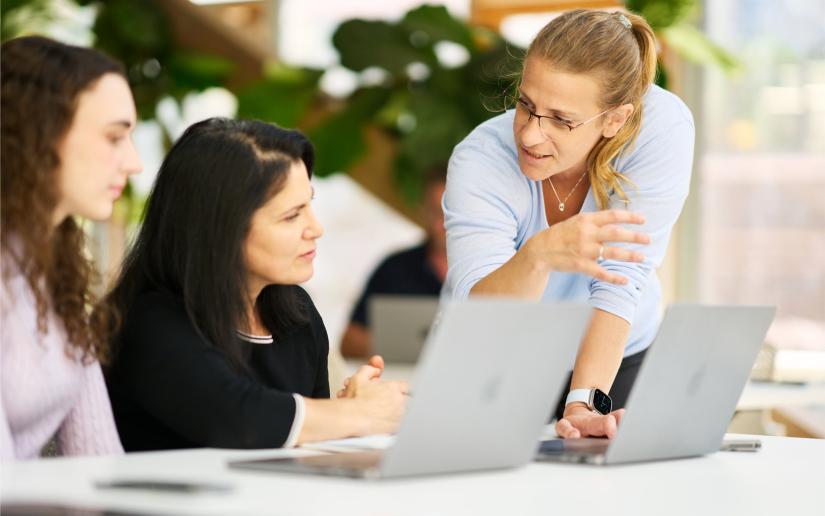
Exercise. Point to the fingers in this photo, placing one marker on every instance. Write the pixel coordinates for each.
(603, 217)
(368, 372)
(367, 375)
(598, 426)
(619, 234)
(599, 252)
(363, 375)
(595, 270)
(589, 425)
(604, 425)
(376, 361)
(566, 430)
(621, 254)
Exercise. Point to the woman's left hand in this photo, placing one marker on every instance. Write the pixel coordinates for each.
(371, 371)
(579, 421)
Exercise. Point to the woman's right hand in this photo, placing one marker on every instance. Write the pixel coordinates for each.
(578, 244)
(371, 371)
(381, 403)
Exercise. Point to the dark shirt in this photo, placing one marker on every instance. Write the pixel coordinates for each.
(171, 389)
(407, 272)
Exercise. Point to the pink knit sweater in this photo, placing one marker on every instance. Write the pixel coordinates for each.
(45, 393)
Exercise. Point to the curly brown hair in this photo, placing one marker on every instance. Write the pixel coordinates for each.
(41, 82)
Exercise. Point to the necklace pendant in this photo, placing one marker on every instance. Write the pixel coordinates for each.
(561, 206)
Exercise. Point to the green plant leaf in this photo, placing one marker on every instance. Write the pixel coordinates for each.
(363, 44)
(397, 104)
(661, 14)
(285, 74)
(690, 43)
(6, 6)
(283, 104)
(440, 125)
(282, 97)
(132, 30)
(18, 16)
(438, 24)
(339, 140)
(192, 71)
(662, 78)
(489, 78)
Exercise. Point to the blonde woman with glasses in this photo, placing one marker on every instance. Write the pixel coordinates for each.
(572, 196)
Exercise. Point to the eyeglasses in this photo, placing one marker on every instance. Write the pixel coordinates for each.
(554, 124)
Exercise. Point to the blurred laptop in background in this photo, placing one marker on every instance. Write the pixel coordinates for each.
(400, 326)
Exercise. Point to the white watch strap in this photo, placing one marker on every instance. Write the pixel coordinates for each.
(578, 395)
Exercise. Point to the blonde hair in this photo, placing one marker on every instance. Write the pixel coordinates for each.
(622, 58)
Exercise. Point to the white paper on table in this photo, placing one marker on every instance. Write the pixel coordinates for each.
(352, 444)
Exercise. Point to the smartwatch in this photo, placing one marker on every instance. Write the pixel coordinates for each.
(595, 399)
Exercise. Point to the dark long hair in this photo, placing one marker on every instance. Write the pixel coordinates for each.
(41, 82)
(196, 221)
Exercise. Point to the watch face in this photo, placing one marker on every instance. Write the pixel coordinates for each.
(602, 402)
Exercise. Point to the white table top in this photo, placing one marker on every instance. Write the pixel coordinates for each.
(785, 477)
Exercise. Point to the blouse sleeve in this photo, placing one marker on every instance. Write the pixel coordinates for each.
(6, 442)
(483, 204)
(660, 169)
(89, 429)
(7, 452)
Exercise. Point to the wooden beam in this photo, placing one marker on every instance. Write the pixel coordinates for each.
(200, 29)
(490, 13)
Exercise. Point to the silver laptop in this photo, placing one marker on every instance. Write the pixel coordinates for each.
(400, 325)
(484, 388)
(686, 391)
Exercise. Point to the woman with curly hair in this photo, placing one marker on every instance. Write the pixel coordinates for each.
(67, 151)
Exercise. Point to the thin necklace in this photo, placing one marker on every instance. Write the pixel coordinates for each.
(561, 203)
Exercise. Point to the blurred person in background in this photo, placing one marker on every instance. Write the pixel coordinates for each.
(67, 151)
(418, 271)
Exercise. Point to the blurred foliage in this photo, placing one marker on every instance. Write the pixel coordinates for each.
(16, 14)
(427, 116)
(137, 33)
(297, 87)
(662, 13)
(424, 106)
(674, 22)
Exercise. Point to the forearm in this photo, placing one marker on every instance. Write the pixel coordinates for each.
(600, 353)
(332, 419)
(521, 276)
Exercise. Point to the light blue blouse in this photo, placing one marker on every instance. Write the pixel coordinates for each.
(491, 209)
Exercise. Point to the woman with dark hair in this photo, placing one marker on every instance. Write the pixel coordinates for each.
(219, 346)
(67, 116)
